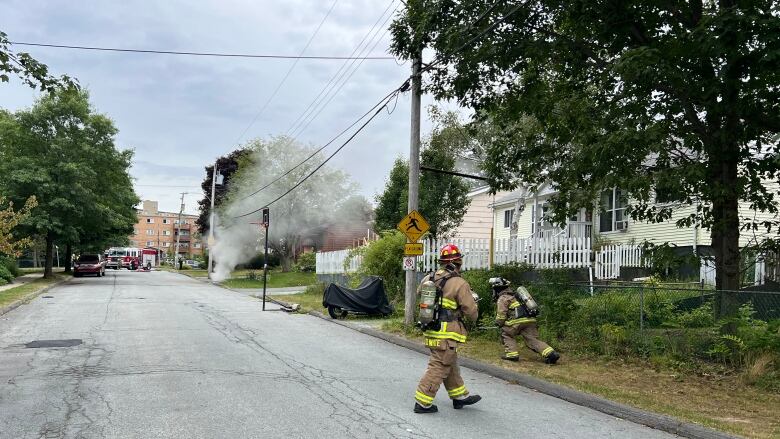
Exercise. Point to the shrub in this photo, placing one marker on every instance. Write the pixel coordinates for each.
(700, 317)
(307, 262)
(5, 274)
(11, 265)
(383, 258)
(3, 282)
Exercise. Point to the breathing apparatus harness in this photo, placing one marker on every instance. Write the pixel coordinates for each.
(432, 311)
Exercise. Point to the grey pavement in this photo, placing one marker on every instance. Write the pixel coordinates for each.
(166, 356)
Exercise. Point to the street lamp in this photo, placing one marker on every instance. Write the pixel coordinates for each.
(58, 255)
(216, 179)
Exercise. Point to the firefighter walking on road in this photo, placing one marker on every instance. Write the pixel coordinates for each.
(516, 314)
(446, 298)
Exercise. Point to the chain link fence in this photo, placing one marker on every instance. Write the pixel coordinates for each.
(680, 320)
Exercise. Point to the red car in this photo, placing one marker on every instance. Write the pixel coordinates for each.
(89, 264)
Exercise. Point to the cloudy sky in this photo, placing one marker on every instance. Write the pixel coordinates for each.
(179, 113)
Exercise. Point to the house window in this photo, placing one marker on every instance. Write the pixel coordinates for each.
(166, 233)
(135, 231)
(166, 221)
(613, 211)
(196, 245)
(509, 216)
(150, 221)
(150, 232)
(149, 243)
(166, 244)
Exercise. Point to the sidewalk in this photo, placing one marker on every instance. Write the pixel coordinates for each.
(21, 280)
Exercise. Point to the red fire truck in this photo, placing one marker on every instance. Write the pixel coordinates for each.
(124, 257)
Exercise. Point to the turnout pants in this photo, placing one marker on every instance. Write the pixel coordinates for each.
(442, 368)
(530, 334)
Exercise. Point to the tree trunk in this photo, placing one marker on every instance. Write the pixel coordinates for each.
(68, 258)
(47, 270)
(725, 241)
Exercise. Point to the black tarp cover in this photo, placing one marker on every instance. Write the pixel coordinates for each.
(369, 297)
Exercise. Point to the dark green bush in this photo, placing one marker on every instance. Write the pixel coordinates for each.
(5, 274)
(11, 265)
(383, 258)
(307, 262)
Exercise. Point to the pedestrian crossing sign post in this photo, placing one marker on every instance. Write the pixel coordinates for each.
(413, 226)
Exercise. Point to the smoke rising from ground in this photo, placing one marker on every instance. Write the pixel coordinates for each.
(297, 220)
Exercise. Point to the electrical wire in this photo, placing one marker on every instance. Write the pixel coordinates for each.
(376, 113)
(287, 75)
(318, 150)
(336, 78)
(188, 53)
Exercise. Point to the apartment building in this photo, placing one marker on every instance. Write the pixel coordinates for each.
(159, 230)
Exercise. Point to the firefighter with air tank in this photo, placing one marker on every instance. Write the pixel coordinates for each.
(516, 313)
(445, 299)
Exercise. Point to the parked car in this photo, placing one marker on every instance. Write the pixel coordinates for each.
(89, 264)
(192, 263)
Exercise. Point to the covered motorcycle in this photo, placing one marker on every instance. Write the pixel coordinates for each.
(368, 298)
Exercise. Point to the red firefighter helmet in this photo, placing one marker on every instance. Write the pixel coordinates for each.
(449, 253)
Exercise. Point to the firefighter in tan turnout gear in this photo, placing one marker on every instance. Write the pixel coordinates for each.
(516, 315)
(445, 299)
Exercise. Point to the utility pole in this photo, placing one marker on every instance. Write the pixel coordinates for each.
(414, 183)
(211, 218)
(178, 232)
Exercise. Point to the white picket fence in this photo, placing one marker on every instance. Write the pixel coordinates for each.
(333, 262)
(610, 258)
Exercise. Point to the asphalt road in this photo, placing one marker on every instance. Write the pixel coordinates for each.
(166, 356)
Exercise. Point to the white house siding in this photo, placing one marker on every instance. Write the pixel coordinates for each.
(524, 220)
(479, 217)
(658, 233)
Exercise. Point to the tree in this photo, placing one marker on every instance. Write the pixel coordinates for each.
(679, 96)
(296, 217)
(443, 200)
(9, 219)
(63, 153)
(29, 70)
(227, 166)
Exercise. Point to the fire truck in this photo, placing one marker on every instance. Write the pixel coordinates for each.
(124, 257)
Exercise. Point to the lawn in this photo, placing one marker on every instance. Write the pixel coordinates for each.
(13, 294)
(276, 279)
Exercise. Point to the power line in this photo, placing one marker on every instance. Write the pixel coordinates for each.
(376, 113)
(287, 75)
(213, 54)
(300, 123)
(318, 150)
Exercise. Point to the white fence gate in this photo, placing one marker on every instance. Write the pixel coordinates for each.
(611, 257)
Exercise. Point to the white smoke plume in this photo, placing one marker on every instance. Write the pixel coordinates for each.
(298, 219)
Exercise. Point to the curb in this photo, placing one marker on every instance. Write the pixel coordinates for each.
(618, 410)
(26, 299)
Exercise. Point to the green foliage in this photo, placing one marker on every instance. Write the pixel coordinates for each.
(307, 262)
(383, 258)
(28, 69)
(61, 152)
(3, 282)
(443, 200)
(5, 274)
(607, 85)
(10, 264)
(701, 317)
(227, 166)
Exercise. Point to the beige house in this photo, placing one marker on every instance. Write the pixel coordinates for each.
(479, 217)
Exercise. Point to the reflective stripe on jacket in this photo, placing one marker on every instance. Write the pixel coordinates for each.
(505, 310)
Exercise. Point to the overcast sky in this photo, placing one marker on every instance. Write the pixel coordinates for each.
(179, 113)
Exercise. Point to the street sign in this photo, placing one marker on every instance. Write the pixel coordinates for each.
(413, 226)
(413, 249)
(409, 263)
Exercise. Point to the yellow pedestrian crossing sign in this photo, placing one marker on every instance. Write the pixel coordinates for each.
(413, 226)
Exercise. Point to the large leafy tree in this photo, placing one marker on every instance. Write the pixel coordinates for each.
(227, 166)
(678, 95)
(61, 152)
(297, 218)
(9, 219)
(443, 200)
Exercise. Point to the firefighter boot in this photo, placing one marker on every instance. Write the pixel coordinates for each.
(460, 403)
(420, 409)
(552, 358)
(510, 358)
